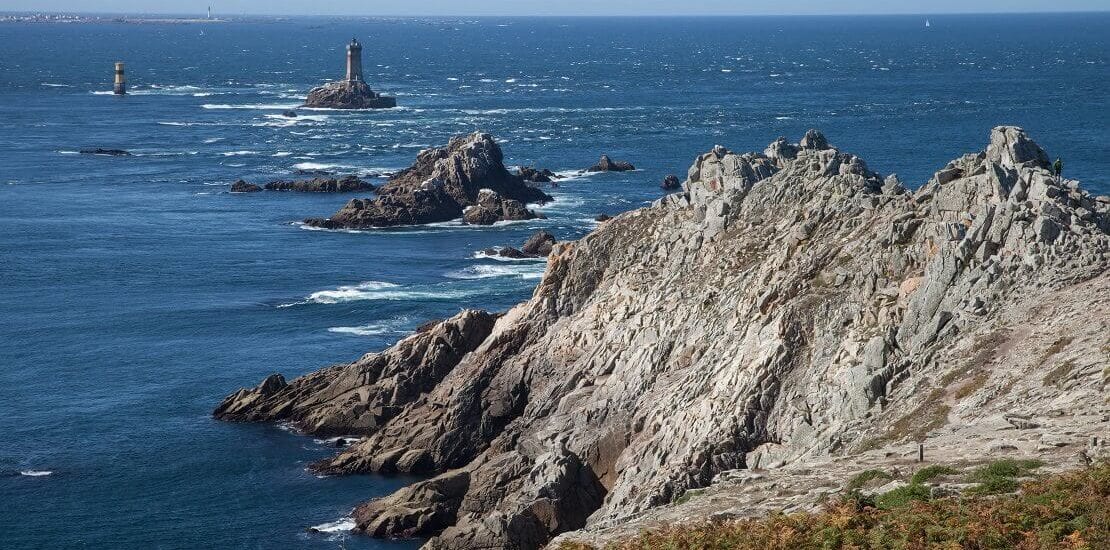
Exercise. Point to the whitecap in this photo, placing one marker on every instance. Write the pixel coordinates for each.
(341, 525)
(51, 85)
(263, 106)
(784, 118)
(320, 166)
(175, 124)
(69, 152)
(35, 473)
(485, 271)
(239, 153)
(364, 330)
(102, 92)
(375, 290)
(481, 255)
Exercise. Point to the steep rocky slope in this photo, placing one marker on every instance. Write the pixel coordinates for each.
(467, 176)
(790, 312)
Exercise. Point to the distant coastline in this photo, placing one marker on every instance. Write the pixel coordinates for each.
(73, 18)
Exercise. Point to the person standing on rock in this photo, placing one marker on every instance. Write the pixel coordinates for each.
(1058, 167)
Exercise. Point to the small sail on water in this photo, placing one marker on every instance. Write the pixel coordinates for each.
(927, 24)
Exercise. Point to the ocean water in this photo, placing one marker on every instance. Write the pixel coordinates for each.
(136, 292)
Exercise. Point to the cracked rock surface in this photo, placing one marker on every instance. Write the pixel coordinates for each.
(787, 319)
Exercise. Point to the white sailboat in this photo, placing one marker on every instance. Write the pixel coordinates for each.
(927, 24)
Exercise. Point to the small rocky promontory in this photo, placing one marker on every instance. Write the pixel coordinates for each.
(606, 164)
(345, 184)
(348, 95)
(534, 175)
(671, 183)
(468, 175)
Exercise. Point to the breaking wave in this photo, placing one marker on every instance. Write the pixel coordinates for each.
(378, 290)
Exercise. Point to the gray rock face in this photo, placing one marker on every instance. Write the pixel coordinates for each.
(790, 310)
(440, 185)
(345, 184)
(491, 207)
(348, 95)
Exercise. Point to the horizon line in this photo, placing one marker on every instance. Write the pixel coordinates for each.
(550, 15)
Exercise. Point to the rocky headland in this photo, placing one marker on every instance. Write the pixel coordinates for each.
(787, 320)
(467, 178)
(348, 95)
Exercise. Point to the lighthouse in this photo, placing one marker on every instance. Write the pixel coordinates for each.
(354, 61)
(120, 87)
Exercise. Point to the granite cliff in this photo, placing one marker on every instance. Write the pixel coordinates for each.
(467, 178)
(788, 318)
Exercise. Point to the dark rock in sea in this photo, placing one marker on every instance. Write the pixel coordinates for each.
(605, 164)
(539, 244)
(289, 114)
(527, 173)
(492, 208)
(346, 184)
(313, 172)
(671, 183)
(440, 185)
(507, 252)
(244, 187)
(348, 95)
(105, 152)
(603, 218)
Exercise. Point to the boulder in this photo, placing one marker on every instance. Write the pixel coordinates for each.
(491, 207)
(441, 183)
(605, 164)
(671, 183)
(348, 95)
(289, 114)
(244, 187)
(530, 174)
(602, 218)
(346, 184)
(539, 244)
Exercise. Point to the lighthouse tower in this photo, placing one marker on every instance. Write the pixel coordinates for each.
(120, 86)
(354, 61)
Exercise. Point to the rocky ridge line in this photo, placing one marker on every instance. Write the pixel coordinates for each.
(788, 309)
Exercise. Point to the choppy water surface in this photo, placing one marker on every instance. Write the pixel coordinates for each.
(136, 292)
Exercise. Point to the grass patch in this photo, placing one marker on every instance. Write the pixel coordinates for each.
(1064, 511)
(1000, 476)
(863, 478)
(929, 472)
(902, 496)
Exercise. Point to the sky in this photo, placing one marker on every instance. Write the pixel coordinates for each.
(556, 7)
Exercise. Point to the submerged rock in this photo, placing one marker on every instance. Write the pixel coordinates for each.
(105, 152)
(444, 181)
(346, 184)
(790, 310)
(242, 186)
(605, 164)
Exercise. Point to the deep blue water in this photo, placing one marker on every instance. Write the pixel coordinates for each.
(136, 292)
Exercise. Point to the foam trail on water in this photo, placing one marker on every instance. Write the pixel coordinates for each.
(485, 271)
(35, 473)
(376, 290)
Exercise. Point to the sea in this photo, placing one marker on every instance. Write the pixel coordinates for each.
(136, 292)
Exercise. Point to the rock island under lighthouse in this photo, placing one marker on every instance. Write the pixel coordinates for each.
(351, 92)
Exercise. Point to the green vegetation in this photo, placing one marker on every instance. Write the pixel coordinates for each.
(999, 476)
(929, 472)
(859, 480)
(1069, 511)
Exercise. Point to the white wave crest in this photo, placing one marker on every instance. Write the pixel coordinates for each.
(523, 271)
(35, 473)
(262, 106)
(377, 290)
(364, 330)
(341, 525)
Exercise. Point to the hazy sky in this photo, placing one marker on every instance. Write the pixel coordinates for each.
(552, 7)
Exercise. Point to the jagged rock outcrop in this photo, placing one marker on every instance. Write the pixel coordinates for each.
(443, 182)
(539, 245)
(345, 184)
(348, 95)
(491, 207)
(530, 174)
(606, 164)
(790, 311)
(241, 186)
